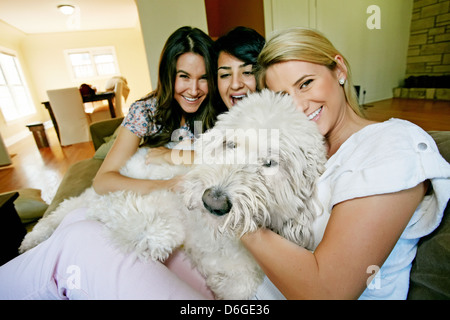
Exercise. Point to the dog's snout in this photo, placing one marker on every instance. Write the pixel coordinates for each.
(216, 201)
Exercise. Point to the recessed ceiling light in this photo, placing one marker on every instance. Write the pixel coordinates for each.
(66, 9)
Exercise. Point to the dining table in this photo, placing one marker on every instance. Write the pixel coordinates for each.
(98, 96)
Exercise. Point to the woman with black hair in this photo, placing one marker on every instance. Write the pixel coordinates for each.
(237, 54)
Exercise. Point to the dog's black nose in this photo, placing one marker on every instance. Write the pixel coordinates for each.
(216, 202)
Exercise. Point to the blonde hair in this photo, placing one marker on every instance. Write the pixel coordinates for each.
(305, 45)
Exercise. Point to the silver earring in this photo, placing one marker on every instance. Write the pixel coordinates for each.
(341, 81)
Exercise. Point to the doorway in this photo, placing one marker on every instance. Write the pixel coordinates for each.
(224, 15)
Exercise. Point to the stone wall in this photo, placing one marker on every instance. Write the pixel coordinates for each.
(429, 43)
(429, 48)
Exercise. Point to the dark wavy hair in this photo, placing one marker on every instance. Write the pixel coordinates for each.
(241, 42)
(168, 112)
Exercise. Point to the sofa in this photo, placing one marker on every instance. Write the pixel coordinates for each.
(79, 176)
(430, 275)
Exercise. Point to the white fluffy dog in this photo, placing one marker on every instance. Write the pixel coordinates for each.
(257, 168)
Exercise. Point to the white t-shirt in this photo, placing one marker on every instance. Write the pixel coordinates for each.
(383, 158)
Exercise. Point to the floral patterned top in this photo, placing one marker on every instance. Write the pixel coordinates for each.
(139, 121)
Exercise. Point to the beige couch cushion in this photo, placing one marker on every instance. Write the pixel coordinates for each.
(79, 176)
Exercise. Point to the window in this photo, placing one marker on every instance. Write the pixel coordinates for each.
(15, 101)
(92, 63)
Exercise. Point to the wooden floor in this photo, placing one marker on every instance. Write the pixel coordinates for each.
(428, 114)
(44, 168)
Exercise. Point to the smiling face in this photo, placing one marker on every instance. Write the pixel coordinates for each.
(191, 84)
(314, 88)
(235, 79)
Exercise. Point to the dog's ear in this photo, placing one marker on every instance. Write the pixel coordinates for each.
(314, 158)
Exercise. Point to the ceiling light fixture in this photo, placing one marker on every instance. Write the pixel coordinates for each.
(66, 9)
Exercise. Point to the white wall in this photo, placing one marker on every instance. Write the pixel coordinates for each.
(377, 57)
(42, 59)
(12, 39)
(282, 14)
(159, 19)
(44, 54)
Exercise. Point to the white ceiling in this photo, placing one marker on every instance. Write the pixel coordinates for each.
(42, 16)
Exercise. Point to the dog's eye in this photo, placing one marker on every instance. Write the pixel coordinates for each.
(230, 144)
(269, 163)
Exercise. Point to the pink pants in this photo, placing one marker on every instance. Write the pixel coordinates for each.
(79, 262)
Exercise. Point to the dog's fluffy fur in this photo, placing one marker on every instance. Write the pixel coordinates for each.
(257, 168)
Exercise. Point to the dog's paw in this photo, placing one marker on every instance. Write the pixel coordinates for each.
(42, 230)
(31, 240)
(160, 233)
(150, 226)
(233, 281)
(234, 285)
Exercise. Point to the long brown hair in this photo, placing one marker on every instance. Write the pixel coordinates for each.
(168, 112)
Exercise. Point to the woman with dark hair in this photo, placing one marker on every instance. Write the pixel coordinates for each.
(185, 94)
(237, 54)
(168, 116)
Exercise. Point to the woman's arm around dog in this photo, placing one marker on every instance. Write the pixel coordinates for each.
(109, 179)
(360, 233)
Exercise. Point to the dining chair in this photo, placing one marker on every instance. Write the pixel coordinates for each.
(119, 85)
(68, 108)
(97, 111)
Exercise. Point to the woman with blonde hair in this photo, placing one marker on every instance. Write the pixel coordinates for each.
(304, 44)
(385, 185)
